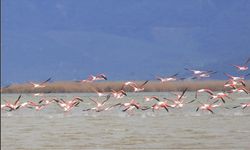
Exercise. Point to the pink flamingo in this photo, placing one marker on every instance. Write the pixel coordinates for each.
(40, 85)
(243, 67)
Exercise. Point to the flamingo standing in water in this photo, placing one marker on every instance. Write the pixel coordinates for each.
(40, 85)
(243, 67)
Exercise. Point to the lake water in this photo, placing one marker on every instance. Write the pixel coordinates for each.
(182, 128)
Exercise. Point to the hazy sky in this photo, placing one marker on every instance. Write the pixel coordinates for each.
(125, 39)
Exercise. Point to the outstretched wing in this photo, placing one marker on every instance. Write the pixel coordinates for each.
(46, 81)
(93, 101)
(18, 99)
(183, 93)
(248, 60)
(174, 75)
(144, 83)
(107, 98)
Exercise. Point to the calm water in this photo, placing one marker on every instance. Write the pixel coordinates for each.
(179, 129)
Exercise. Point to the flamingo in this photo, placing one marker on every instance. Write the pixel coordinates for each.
(243, 105)
(99, 106)
(36, 106)
(147, 99)
(170, 78)
(220, 95)
(127, 106)
(198, 74)
(118, 94)
(131, 106)
(234, 83)
(208, 107)
(235, 78)
(100, 94)
(47, 102)
(11, 106)
(68, 105)
(158, 105)
(239, 90)
(38, 94)
(179, 101)
(203, 90)
(135, 87)
(92, 78)
(243, 67)
(40, 85)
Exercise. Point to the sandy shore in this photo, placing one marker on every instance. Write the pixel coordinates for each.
(152, 86)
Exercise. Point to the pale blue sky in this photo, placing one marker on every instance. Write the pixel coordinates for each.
(132, 39)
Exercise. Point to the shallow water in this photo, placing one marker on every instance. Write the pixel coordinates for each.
(179, 129)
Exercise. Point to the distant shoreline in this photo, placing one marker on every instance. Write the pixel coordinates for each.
(106, 86)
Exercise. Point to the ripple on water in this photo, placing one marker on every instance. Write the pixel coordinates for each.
(178, 129)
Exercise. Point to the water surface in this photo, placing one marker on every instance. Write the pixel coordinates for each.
(179, 129)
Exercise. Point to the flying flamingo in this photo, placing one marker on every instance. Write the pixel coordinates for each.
(68, 105)
(198, 74)
(147, 99)
(92, 78)
(234, 83)
(118, 94)
(40, 85)
(208, 107)
(238, 90)
(243, 105)
(135, 87)
(243, 67)
(11, 106)
(203, 90)
(38, 94)
(47, 102)
(158, 105)
(179, 101)
(36, 106)
(99, 93)
(220, 95)
(170, 78)
(129, 106)
(235, 78)
(99, 106)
